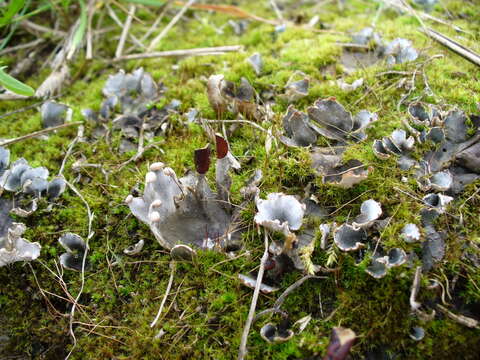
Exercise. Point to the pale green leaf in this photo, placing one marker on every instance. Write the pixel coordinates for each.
(15, 86)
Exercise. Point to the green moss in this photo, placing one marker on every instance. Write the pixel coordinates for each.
(207, 307)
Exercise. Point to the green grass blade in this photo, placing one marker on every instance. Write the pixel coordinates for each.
(13, 8)
(15, 86)
(38, 10)
(80, 32)
(14, 25)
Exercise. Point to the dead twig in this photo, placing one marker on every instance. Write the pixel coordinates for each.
(422, 202)
(58, 277)
(125, 30)
(460, 208)
(243, 343)
(231, 10)
(461, 319)
(157, 21)
(70, 148)
(294, 286)
(8, 96)
(107, 326)
(218, 50)
(456, 47)
(101, 335)
(240, 13)
(28, 25)
(277, 10)
(38, 133)
(117, 21)
(91, 10)
(272, 310)
(43, 292)
(281, 299)
(173, 300)
(419, 70)
(352, 45)
(403, 6)
(140, 151)
(349, 202)
(154, 26)
(394, 72)
(414, 305)
(173, 266)
(256, 126)
(385, 229)
(167, 28)
(22, 46)
(84, 260)
(410, 89)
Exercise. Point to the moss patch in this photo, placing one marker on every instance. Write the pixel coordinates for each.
(207, 307)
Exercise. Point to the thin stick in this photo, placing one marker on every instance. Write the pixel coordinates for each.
(167, 28)
(281, 299)
(243, 343)
(47, 300)
(378, 13)
(125, 10)
(22, 46)
(414, 305)
(140, 149)
(293, 287)
(173, 300)
(91, 9)
(461, 319)
(352, 45)
(70, 148)
(320, 303)
(58, 277)
(268, 311)
(419, 15)
(230, 10)
(106, 326)
(38, 133)
(442, 287)
(173, 266)
(461, 50)
(385, 229)
(421, 201)
(35, 27)
(154, 25)
(126, 29)
(349, 202)
(117, 21)
(219, 50)
(460, 208)
(348, 170)
(277, 10)
(101, 335)
(12, 96)
(239, 121)
(157, 21)
(84, 260)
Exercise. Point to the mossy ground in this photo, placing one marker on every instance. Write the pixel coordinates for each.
(207, 307)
